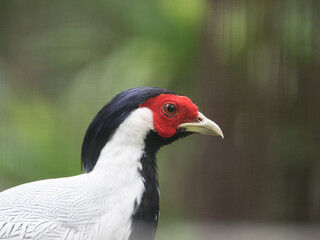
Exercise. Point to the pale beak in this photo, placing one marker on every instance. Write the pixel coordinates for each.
(203, 125)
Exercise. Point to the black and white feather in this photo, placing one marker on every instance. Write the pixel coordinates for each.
(117, 196)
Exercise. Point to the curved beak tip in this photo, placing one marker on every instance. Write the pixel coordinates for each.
(220, 133)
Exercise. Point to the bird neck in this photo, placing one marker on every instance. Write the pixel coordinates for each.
(127, 144)
(145, 217)
(127, 164)
(128, 161)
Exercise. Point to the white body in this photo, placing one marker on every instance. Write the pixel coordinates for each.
(97, 205)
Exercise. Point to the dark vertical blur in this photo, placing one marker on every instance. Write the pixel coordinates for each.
(260, 77)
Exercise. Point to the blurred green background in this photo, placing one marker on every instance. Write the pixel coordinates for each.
(251, 66)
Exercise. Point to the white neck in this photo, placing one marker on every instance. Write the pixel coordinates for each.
(117, 172)
(126, 146)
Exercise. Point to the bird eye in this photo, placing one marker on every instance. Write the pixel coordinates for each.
(170, 110)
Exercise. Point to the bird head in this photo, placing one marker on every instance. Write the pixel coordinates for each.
(174, 116)
(173, 113)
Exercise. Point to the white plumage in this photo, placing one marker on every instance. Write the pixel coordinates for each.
(89, 206)
(118, 196)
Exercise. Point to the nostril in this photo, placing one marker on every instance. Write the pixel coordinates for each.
(199, 119)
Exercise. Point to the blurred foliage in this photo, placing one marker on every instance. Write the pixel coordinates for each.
(252, 66)
(60, 62)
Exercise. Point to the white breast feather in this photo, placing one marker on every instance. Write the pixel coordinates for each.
(98, 205)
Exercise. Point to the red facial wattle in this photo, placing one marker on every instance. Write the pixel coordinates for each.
(165, 124)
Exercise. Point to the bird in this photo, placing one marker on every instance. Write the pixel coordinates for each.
(116, 196)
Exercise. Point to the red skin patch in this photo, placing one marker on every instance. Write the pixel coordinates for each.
(166, 126)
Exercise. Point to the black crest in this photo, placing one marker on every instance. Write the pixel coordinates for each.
(108, 120)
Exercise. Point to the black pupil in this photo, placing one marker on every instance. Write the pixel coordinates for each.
(171, 108)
